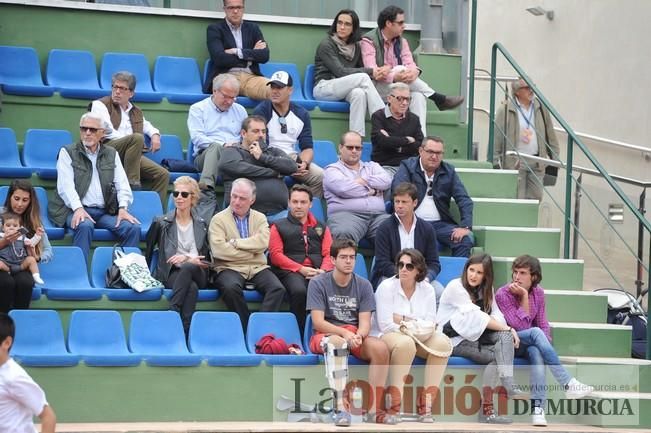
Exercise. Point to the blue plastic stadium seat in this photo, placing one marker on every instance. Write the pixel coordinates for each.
(65, 276)
(268, 69)
(244, 101)
(281, 325)
(39, 340)
(158, 336)
(98, 338)
(101, 261)
(41, 148)
(318, 210)
(360, 266)
(10, 165)
(451, 268)
(308, 87)
(367, 148)
(170, 148)
(135, 63)
(20, 72)
(178, 79)
(73, 73)
(325, 153)
(217, 336)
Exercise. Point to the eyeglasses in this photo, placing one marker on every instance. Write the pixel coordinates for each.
(89, 129)
(430, 187)
(184, 194)
(283, 124)
(433, 152)
(234, 8)
(227, 97)
(121, 88)
(409, 266)
(351, 148)
(401, 99)
(400, 23)
(344, 23)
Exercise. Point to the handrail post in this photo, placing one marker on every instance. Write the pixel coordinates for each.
(640, 245)
(491, 111)
(577, 216)
(568, 197)
(471, 84)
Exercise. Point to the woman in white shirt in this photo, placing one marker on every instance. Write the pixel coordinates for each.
(407, 297)
(469, 315)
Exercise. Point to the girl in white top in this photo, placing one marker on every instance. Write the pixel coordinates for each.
(469, 315)
(407, 297)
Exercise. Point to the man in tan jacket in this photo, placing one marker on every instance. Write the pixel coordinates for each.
(239, 237)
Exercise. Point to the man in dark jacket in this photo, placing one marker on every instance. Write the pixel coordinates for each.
(404, 230)
(437, 182)
(299, 249)
(266, 166)
(238, 47)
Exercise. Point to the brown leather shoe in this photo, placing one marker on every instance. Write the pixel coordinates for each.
(450, 103)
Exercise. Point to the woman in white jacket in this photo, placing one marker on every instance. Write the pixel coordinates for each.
(471, 318)
(408, 299)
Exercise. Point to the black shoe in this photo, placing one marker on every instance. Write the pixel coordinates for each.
(450, 102)
(492, 418)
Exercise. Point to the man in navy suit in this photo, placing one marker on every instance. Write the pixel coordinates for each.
(238, 47)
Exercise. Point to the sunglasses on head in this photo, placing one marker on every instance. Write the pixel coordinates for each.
(184, 194)
(409, 266)
(283, 124)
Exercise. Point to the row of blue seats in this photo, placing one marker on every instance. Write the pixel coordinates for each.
(146, 206)
(73, 74)
(66, 280)
(41, 147)
(156, 337)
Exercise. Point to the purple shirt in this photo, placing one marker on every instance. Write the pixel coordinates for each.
(343, 193)
(519, 319)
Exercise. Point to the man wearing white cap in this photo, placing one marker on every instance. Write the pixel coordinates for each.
(288, 124)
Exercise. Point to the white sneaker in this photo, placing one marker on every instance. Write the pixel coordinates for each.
(38, 279)
(538, 417)
(575, 389)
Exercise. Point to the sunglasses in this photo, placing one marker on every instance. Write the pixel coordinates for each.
(410, 266)
(430, 187)
(184, 194)
(283, 124)
(89, 129)
(401, 99)
(351, 148)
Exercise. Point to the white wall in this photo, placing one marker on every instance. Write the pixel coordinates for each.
(593, 63)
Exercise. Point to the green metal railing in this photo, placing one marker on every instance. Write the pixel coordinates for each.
(573, 142)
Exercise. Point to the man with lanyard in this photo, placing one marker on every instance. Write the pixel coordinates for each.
(525, 125)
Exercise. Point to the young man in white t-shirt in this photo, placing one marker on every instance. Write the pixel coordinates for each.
(20, 397)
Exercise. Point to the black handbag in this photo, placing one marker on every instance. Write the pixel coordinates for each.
(113, 277)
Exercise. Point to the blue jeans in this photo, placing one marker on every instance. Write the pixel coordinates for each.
(443, 236)
(127, 233)
(535, 346)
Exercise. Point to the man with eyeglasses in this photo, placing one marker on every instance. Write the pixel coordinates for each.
(288, 124)
(437, 183)
(126, 130)
(92, 189)
(385, 45)
(354, 190)
(238, 47)
(265, 166)
(396, 133)
(215, 123)
(405, 230)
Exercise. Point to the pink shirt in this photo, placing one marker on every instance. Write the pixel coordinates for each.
(515, 315)
(368, 55)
